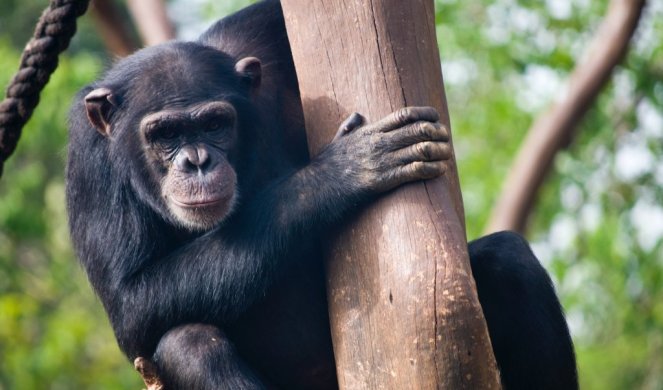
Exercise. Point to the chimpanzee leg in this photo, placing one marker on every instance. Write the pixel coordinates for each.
(527, 328)
(200, 357)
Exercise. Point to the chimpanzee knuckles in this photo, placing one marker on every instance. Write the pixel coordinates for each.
(416, 132)
(423, 151)
(250, 69)
(418, 151)
(99, 104)
(405, 116)
(422, 123)
(421, 170)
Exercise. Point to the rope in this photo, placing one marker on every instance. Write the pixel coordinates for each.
(54, 30)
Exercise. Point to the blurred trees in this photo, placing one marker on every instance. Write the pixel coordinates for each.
(555, 128)
(597, 224)
(598, 221)
(53, 331)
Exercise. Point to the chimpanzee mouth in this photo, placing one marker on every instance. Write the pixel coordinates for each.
(201, 203)
(201, 213)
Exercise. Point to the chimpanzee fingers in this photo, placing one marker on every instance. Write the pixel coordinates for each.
(415, 133)
(405, 116)
(423, 151)
(422, 170)
(352, 122)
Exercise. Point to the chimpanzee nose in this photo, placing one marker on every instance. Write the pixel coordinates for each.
(192, 158)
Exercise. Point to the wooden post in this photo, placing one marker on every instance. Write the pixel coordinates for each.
(403, 304)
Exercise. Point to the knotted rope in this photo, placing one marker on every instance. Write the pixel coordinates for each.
(54, 30)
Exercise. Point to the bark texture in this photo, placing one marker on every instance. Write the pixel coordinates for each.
(403, 304)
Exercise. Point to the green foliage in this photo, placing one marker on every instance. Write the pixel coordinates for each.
(597, 225)
(53, 331)
(19, 17)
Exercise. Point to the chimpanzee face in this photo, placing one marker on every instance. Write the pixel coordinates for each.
(188, 149)
(188, 133)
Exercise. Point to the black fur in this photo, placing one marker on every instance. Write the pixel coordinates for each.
(243, 305)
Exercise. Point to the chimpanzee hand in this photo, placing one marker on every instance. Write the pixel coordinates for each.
(408, 145)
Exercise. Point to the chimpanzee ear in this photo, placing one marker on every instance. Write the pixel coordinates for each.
(99, 105)
(250, 69)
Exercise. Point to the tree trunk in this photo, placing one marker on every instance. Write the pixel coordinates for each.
(403, 304)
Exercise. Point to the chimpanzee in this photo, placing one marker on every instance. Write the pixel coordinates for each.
(197, 216)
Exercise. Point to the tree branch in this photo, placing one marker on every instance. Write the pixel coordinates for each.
(152, 20)
(554, 130)
(113, 28)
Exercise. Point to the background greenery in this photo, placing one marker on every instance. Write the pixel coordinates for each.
(598, 224)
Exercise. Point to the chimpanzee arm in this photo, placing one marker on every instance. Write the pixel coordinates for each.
(227, 269)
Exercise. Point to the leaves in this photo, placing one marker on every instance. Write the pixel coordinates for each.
(598, 223)
(53, 332)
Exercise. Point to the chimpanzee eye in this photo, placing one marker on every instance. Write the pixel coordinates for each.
(167, 133)
(213, 126)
